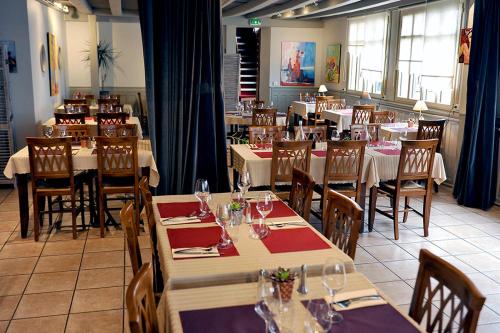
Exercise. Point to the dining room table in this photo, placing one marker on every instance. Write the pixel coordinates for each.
(395, 131)
(84, 159)
(94, 108)
(233, 118)
(231, 308)
(290, 243)
(342, 117)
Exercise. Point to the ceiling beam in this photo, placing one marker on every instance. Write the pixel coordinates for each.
(116, 7)
(250, 6)
(287, 6)
(226, 3)
(363, 7)
(315, 8)
(82, 6)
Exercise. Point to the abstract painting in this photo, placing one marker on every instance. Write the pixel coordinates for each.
(332, 74)
(297, 63)
(464, 51)
(53, 59)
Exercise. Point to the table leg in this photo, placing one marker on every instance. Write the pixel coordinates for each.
(235, 178)
(22, 192)
(371, 207)
(362, 202)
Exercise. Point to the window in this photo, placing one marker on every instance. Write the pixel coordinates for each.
(366, 47)
(427, 52)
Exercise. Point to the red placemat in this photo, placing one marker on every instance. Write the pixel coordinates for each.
(280, 209)
(264, 154)
(389, 151)
(203, 237)
(319, 153)
(175, 209)
(294, 240)
(258, 146)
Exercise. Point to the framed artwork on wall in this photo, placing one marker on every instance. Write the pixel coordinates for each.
(297, 63)
(332, 74)
(53, 60)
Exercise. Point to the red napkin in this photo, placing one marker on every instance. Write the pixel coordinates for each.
(175, 209)
(203, 237)
(264, 154)
(389, 151)
(280, 209)
(319, 153)
(294, 240)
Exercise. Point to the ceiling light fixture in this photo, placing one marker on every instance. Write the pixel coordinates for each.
(56, 5)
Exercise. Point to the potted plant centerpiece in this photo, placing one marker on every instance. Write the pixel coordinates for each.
(237, 209)
(284, 280)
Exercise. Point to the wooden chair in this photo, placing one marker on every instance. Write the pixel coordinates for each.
(373, 131)
(75, 101)
(383, 117)
(69, 118)
(258, 104)
(117, 173)
(52, 175)
(111, 118)
(301, 193)
(127, 221)
(112, 101)
(342, 222)
(362, 114)
(444, 299)
(343, 170)
(76, 132)
(264, 117)
(289, 114)
(414, 179)
(264, 134)
(314, 133)
(321, 105)
(117, 130)
(431, 129)
(288, 155)
(336, 104)
(140, 302)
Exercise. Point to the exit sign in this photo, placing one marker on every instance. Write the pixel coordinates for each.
(255, 21)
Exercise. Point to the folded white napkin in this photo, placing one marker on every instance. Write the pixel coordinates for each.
(194, 253)
(352, 295)
(179, 220)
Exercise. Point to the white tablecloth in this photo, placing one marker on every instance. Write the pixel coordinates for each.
(93, 125)
(303, 108)
(343, 118)
(82, 160)
(392, 132)
(232, 119)
(201, 272)
(94, 108)
(377, 166)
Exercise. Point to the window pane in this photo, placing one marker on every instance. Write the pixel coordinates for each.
(417, 48)
(405, 49)
(406, 25)
(419, 26)
(403, 68)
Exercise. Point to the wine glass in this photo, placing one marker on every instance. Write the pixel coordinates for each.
(318, 319)
(108, 132)
(333, 280)
(202, 193)
(264, 205)
(335, 134)
(48, 131)
(62, 132)
(118, 108)
(244, 182)
(268, 304)
(403, 135)
(223, 217)
(390, 116)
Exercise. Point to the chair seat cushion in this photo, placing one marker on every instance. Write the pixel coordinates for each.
(405, 186)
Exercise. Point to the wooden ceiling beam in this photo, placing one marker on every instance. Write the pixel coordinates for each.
(116, 7)
(250, 6)
(82, 6)
(316, 8)
(272, 10)
(226, 3)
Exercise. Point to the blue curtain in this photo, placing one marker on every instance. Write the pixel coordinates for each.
(476, 179)
(183, 66)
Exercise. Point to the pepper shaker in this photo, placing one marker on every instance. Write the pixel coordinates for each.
(302, 289)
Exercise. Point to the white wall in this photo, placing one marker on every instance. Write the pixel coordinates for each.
(41, 21)
(77, 38)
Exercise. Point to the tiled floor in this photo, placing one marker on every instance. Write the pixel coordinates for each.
(60, 284)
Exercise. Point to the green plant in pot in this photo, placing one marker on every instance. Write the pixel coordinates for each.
(237, 209)
(284, 280)
(106, 59)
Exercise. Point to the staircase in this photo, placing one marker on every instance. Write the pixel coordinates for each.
(248, 46)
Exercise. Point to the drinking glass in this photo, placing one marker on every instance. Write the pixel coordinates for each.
(268, 304)
(265, 204)
(118, 108)
(223, 219)
(318, 319)
(62, 132)
(403, 135)
(48, 131)
(202, 193)
(390, 116)
(335, 134)
(244, 182)
(333, 280)
(108, 132)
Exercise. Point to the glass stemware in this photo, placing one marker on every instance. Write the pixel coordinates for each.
(264, 205)
(48, 131)
(223, 217)
(318, 319)
(333, 280)
(268, 304)
(202, 193)
(390, 116)
(335, 134)
(244, 182)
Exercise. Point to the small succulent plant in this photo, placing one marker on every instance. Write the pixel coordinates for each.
(235, 205)
(283, 275)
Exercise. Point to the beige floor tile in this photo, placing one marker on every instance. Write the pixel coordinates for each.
(8, 305)
(363, 257)
(460, 264)
(103, 259)
(491, 328)
(3, 326)
(58, 263)
(65, 234)
(493, 302)
(96, 322)
(9, 207)
(13, 284)
(397, 291)
(465, 231)
(373, 238)
(489, 244)
(128, 275)
(487, 284)
(414, 249)
(52, 324)
(74, 246)
(446, 220)
(405, 269)
(49, 282)
(11, 215)
(101, 299)
(105, 244)
(7, 225)
(483, 262)
(46, 304)
(449, 208)
(100, 278)
(435, 234)
(145, 256)
(377, 272)
(405, 236)
(488, 316)
(144, 242)
(31, 249)
(4, 236)
(457, 246)
(17, 266)
(490, 228)
(112, 232)
(388, 253)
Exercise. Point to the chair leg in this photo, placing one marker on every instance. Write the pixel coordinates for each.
(92, 209)
(82, 205)
(395, 211)
(407, 206)
(427, 212)
(436, 188)
(36, 218)
(372, 205)
(49, 203)
(101, 212)
(73, 214)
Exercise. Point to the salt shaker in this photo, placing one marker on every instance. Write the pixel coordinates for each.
(302, 289)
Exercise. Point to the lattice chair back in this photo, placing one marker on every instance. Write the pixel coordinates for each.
(444, 299)
(416, 159)
(431, 129)
(117, 130)
(344, 161)
(362, 114)
(111, 118)
(50, 158)
(141, 302)
(336, 104)
(321, 105)
(288, 155)
(69, 118)
(127, 221)
(76, 132)
(383, 117)
(265, 134)
(117, 157)
(343, 220)
(264, 117)
(301, 193)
